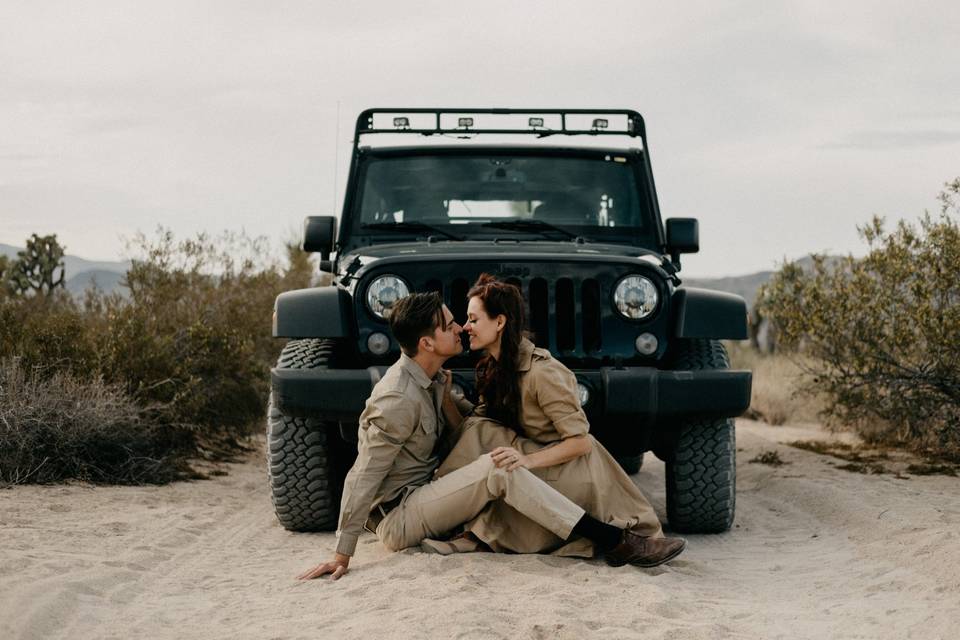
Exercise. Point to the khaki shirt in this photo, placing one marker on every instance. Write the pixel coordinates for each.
(550, 407)
(401, 434)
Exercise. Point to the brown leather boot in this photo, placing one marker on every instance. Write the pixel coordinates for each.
(641, 551)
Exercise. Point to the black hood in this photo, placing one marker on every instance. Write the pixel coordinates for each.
(359, 260)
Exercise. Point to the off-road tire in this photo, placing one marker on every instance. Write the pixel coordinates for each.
(630, 464)
(304, 481)
(701, 473)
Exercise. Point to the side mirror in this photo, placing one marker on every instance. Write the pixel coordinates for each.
(683, 236)
(318, 235)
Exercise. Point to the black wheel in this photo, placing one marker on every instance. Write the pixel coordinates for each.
(701, 472)
(631, 464)
(306, 479)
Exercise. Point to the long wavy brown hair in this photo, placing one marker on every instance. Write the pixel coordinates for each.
(498, 381)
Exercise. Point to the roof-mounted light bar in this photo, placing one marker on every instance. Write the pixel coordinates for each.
(537, 122)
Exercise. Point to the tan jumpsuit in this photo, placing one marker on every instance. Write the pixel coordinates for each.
(595, 481)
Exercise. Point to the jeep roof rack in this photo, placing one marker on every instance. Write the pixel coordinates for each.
(538, 122)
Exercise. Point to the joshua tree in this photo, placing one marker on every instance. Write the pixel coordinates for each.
(38, 268)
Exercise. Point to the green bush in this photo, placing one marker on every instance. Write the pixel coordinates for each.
(49, 333)
(194, 338)
(883, 330)
(190, 345)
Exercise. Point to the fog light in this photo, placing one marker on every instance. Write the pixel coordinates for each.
(535, 122)
(583, 393)
(378, 343)
(601, 123)
(646, 344)
(465, 123)
(456, 390)
(401, 123)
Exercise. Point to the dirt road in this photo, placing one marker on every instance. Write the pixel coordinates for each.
(816, 552)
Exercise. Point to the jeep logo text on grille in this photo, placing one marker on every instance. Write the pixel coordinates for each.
(507, 271)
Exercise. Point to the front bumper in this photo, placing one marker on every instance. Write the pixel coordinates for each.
(627, 392)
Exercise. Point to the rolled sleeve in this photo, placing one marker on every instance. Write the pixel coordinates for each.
(386, 424)
(556, 389)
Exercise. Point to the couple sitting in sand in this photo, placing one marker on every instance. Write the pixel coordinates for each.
(519, 473)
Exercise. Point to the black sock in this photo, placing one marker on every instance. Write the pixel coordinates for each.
(604, 536)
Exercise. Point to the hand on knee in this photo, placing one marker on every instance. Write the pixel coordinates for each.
(485, 462)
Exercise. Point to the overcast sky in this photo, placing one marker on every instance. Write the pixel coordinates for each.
(781, 129)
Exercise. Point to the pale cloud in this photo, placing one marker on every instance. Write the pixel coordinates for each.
(780, 126)
(871, 140)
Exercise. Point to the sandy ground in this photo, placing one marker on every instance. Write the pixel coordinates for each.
(816, 552)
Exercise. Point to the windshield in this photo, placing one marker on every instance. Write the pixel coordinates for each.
(476, 195)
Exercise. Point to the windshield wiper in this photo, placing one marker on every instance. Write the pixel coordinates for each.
(409, 226)
(532, 226)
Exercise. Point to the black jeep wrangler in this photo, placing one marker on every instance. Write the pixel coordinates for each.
(560, 202)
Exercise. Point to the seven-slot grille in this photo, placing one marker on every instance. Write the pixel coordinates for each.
(564, 314)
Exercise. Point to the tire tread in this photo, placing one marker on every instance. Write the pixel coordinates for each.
(304, 492)
(701, 476)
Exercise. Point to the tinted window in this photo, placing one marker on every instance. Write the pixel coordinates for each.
(591, 196)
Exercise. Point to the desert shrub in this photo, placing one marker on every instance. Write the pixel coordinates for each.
(194, 336)
(55, 427)
(883, 331)
(47, 333)
(189, 346)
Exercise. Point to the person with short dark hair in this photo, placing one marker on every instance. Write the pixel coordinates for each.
(415, 317)
(391, 490)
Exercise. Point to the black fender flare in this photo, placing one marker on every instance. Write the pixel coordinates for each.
(702, 313)
(320, 312)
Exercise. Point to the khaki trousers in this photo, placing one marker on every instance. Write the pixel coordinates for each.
(438, 507)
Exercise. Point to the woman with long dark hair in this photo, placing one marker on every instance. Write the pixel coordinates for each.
(530, 416)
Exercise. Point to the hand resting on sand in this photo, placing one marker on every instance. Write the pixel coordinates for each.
(336, 568)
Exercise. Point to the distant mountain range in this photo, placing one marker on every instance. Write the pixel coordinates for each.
(749, 285)
(82, 274)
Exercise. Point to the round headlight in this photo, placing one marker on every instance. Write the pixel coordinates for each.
(635, 297)
(583, 394)
(383, 293)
